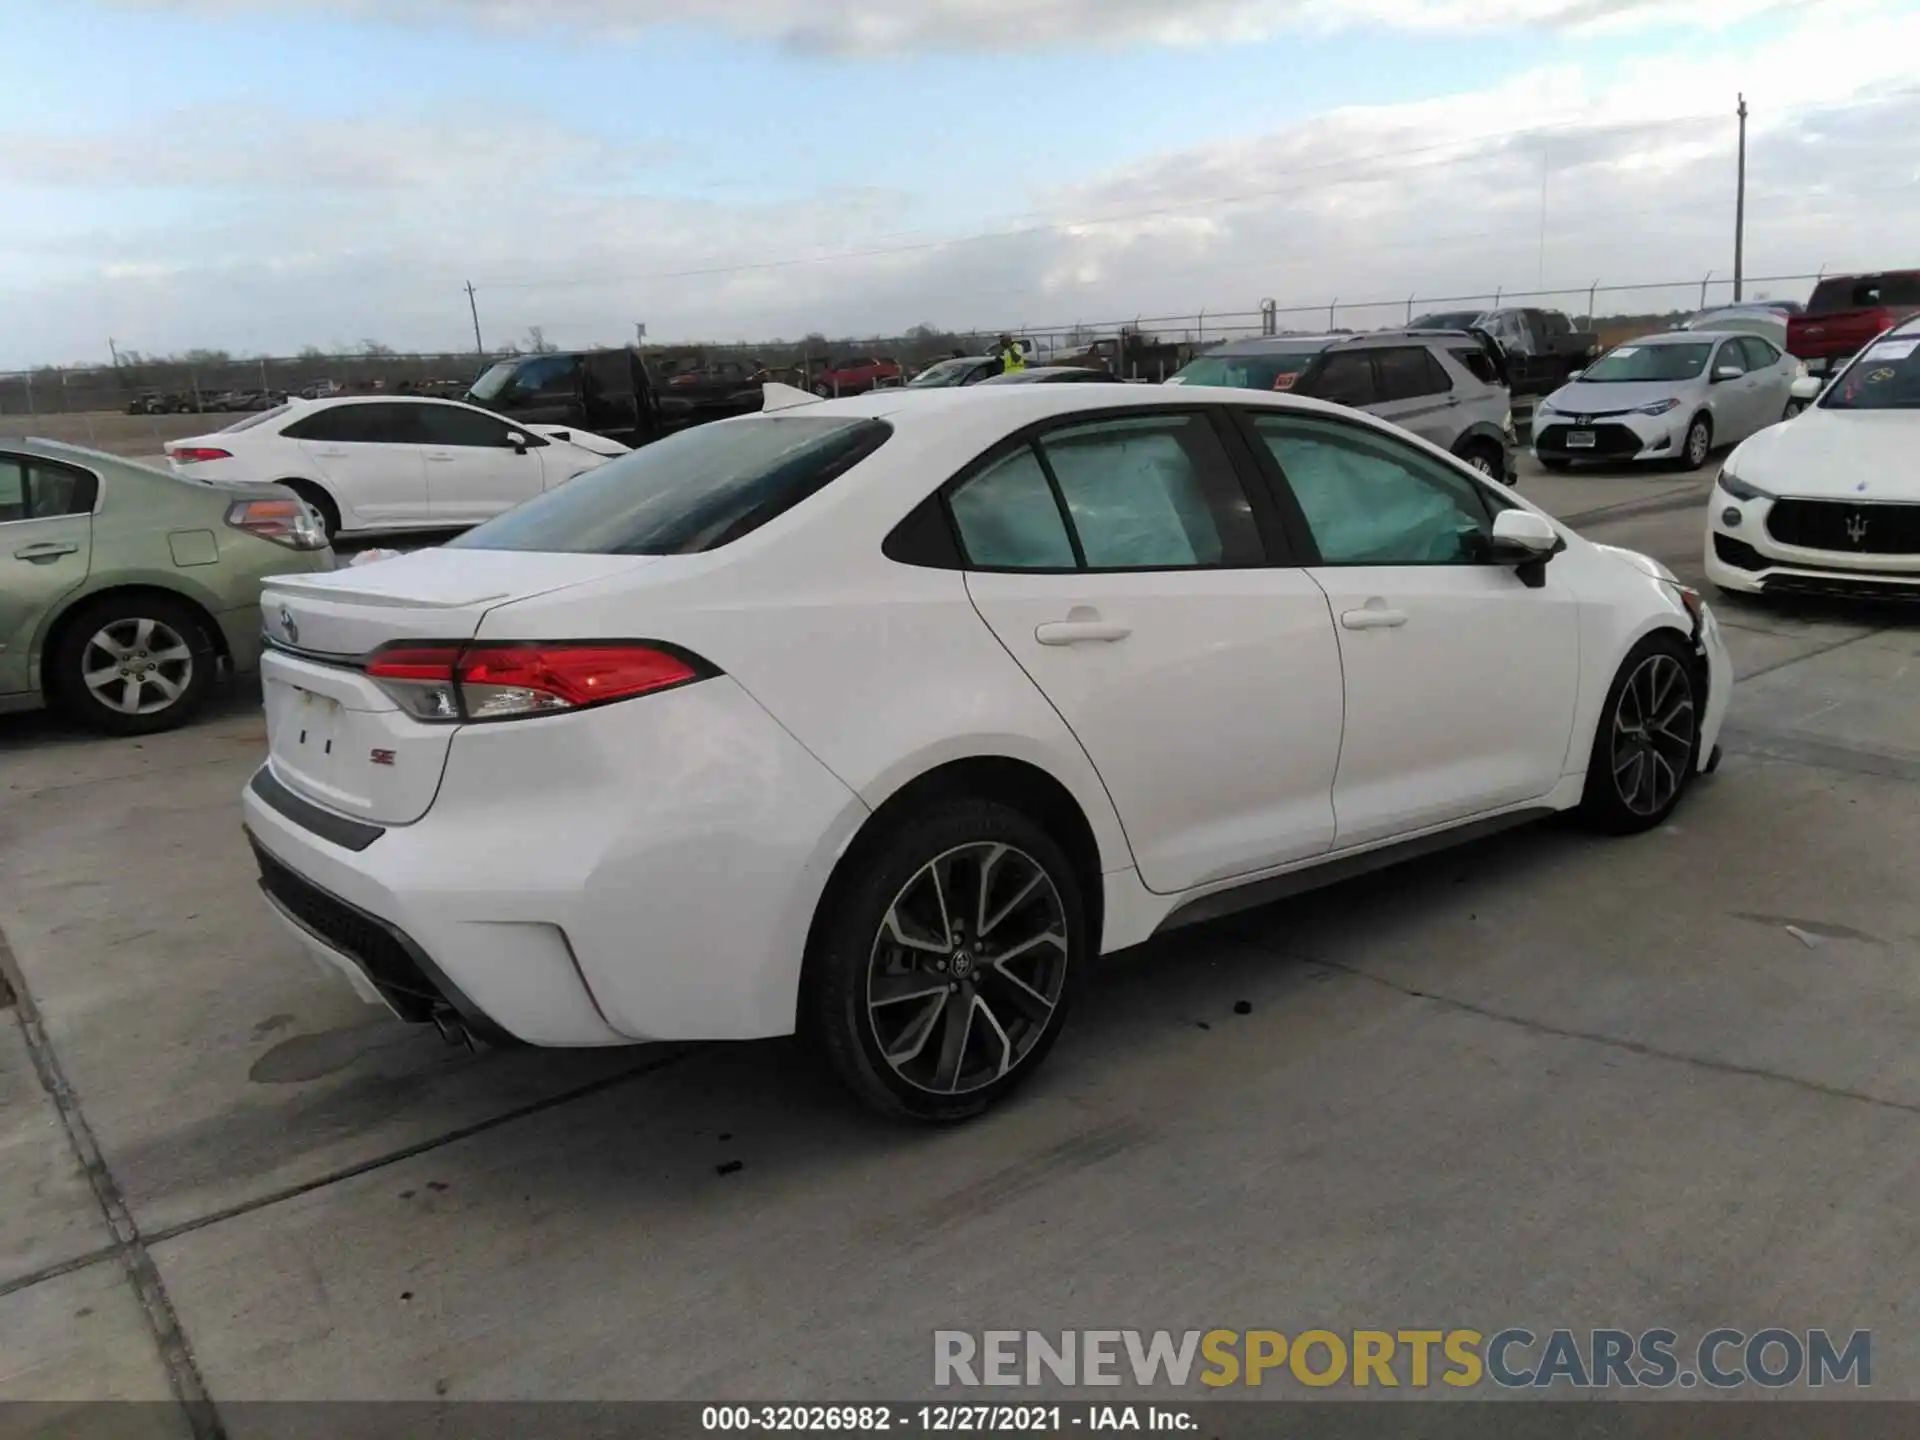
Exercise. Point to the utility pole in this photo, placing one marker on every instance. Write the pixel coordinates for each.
(640, 333)
(1740, 211)
(478, 348)
(114, 351)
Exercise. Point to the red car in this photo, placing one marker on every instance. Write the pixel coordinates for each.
(1848, 311)
(856, 376)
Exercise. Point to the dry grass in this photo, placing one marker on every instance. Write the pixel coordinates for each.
(112, 432)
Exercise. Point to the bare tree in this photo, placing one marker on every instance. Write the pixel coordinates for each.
(537, 342)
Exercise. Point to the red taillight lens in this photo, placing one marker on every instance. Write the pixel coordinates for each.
(511, 681)
(193, 454)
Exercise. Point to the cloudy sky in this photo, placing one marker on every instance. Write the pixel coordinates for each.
(259, 175)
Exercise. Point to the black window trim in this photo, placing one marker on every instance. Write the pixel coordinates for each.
(29, 462)
(1276, 550)
(1299, 534)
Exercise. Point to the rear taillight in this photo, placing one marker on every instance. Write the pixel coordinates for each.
(285, 522)
(194, 454)
(509, 680)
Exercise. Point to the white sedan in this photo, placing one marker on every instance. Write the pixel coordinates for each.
(390, 462)
(884, 718)
(1830, 503)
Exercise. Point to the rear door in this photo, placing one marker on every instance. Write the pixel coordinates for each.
(1341, 377)
(1123, 564)
(1416, 394)
(474, 469)
(368, 451)
(46, 544)
(1460, 679)
(1773, 377)
(1736, 402)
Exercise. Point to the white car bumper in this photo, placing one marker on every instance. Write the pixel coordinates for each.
(1616, 438)
(1746, 551)
(642, 871)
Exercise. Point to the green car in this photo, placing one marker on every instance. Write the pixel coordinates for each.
(123, 588)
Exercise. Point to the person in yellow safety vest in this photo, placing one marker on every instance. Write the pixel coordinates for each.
(1012, 359)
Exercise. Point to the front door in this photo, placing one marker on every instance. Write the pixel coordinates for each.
(1119, 561)
(475, 469)
(1460, 679)
(46, 545)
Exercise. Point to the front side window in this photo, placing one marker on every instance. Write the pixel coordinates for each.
(1369, 500)
(1477, 363)
(455, 426)
(694, 491)
(1731, 357)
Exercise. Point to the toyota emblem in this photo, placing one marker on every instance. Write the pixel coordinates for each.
(287, 624)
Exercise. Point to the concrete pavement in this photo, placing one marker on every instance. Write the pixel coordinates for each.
(1545, 1080)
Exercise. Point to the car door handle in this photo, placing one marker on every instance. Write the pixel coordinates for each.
(331, 453)
(1080, 632)
(442, 455)
(45, 551)
(1373, 619)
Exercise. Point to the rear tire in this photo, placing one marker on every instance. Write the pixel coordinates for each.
(935, 1027)
(132, 664)
(1647, 743)
(320, 503)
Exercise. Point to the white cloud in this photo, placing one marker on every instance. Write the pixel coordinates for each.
(875, 27)
(371, 230)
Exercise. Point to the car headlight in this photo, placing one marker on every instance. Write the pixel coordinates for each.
(1544, 407)
(1740, 489)
(1659, 407)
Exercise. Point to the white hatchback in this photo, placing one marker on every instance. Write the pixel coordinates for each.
(883, 718)
(367, 464)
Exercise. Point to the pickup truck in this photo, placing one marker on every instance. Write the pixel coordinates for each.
(612, 393)
(1542, 347)
(1847, 311)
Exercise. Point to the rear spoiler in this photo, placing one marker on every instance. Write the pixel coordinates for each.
(785, 397)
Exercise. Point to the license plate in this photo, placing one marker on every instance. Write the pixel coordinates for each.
(307, 730)
(1580, 440)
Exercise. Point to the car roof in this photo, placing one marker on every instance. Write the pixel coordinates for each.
(1683, 337)
(1013, 406)
(1403, 337)
(1272, 344)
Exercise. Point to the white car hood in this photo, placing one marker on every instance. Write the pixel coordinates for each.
(1836, 453)
(1610, 398)
(1646, 564)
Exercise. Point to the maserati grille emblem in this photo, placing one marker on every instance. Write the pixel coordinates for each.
(287, 624)
(1857, 528)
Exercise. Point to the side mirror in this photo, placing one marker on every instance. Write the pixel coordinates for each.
(1727, 372)
(1573, 375)
(1808, 388)
(518, 441)
(1525, 541)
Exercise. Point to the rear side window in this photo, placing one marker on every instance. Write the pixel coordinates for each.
(1409, 374)
(1344, 378)
(38, 490)
(1759, 353)
(371, 423)
(694, 491)
(1151, 492)
(1477, 363)
(259, 417)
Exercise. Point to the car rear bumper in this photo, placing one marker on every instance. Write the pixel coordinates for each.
(642, 871)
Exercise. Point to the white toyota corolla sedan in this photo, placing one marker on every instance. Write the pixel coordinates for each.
(883, 718)
(370, 463)
(1830, 502)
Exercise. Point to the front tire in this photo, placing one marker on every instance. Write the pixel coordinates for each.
(1698, 445)
(1647, 742)
(947, 961)
(1486, 457)
(132, 664)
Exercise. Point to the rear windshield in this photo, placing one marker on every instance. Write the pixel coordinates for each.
(1276, 371)
(259, 417)
(693, 491)
(1864, 292)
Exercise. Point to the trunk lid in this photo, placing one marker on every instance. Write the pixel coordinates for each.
(336, 737)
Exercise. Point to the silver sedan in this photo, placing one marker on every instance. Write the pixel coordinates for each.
(1673, 398)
